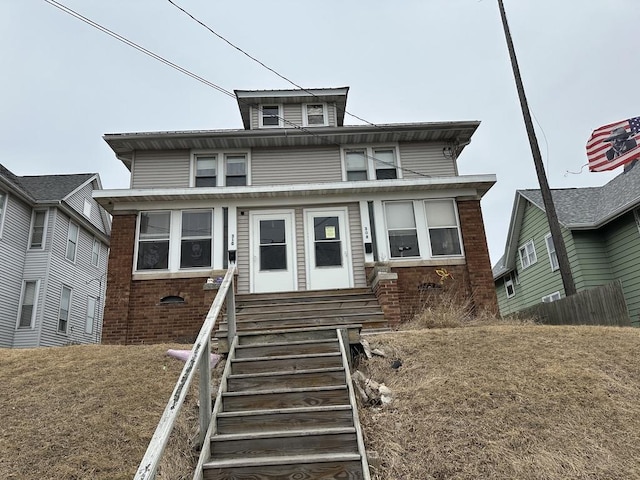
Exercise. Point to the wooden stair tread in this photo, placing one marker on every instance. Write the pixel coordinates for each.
(324, 301)
(225, 437)
(286, 357)
(283, 460)
(275, 411)
(285, 390)
(287, 372)
(292, 343)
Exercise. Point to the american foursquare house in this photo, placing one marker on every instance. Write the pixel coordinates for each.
(54, 243)
(296, 201)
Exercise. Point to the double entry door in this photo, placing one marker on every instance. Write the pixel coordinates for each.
(274, 253)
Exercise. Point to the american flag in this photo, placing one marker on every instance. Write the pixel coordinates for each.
(603, 154)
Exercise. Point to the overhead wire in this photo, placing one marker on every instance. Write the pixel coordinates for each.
(210, 84)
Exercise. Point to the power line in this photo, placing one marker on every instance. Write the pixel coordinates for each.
(208, 83)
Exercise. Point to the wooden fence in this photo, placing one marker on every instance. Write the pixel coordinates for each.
(604, 305)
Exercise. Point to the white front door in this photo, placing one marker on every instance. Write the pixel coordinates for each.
(327, 246)
(273, 266)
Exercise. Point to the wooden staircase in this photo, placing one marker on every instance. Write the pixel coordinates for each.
(285, 408)
(287, 310)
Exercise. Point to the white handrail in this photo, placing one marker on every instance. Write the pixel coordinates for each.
(199, 357)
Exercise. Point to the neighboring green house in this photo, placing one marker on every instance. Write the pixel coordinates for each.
(601, 230)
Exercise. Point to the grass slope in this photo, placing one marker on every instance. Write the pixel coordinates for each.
(499, 402)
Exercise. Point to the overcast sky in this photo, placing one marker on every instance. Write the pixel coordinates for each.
(64, 84)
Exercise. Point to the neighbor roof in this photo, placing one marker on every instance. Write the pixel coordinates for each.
(577, 209)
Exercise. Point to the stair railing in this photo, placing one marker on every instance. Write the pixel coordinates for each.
(200, 358)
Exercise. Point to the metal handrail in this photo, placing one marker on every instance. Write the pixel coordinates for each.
(200, 357)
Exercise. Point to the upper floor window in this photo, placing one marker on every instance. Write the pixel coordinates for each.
(270, 115)
(219, 169)
(551, 250)
(38, 222)
(444, 232)
(509, 287)
(65, 307)
(72, 242)
(527, 254)
(371, 163)
(27, 312)
(175, 240)
(92, 311)
(95, 252)
(315, 114)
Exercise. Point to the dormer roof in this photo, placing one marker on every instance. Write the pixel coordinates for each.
(248, 98)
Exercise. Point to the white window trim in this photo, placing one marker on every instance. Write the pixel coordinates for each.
(66, 330)
(175, 239)
(457, 226)
(552, 297)
(88, 327)
(35, 304)
(3, 209)
(371, 167)
(509, 282)
(221, 167)
(93, 246)
(535, 255)
(75, 251)
(305, 116)
(422, 230)
(549, 252)
(280, 115)
(44, 230)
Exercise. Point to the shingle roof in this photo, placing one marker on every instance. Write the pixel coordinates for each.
(592, 206)
(46, 188)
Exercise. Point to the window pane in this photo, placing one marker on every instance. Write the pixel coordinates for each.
(154, 225)
(400, 215)
(195, 253)
(326, 228)
(63, 317)
(356, 160)
(270, 115)
(153, 255)
(38, 229)
(196, 224)
(445, 241)
(272, 231)
(95, 252)
(273, 257)
(206, 166)
(91, 315)
(206, 182)
(236, 165)
(356, 176)
(315, 114)
(28, 302)
(440, 213)
(236, 181)
(328, 254)
(384, 158)
(403, 243)
(386, 174)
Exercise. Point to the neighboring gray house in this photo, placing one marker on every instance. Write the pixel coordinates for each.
(54, 244)
(601, 230)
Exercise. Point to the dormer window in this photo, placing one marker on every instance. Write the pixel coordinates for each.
(270, 116)
(315, 115)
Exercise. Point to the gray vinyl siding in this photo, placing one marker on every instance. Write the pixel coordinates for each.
(623, 246)
(295, 165)
(418, 159)
(161, 169)
(292, 114)
(331, 114)
(357, 246)
(13, 246)
(76, 201)
(243, 251)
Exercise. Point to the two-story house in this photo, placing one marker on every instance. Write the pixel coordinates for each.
(54, 243)
(297, 201)
(601, 231)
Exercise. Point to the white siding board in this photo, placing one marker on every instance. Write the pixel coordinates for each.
(292, 114)
(301, 262)
(331, 115)
(357, 246)
(161, 169)
(243, 251)
(295, 165)
(425, 159)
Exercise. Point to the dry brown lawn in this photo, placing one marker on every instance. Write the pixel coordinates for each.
(495, 402)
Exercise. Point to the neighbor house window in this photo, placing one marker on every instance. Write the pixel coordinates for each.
(315, 114)
(72, 241)
(235, 170)
(92, 304)
(444, 233)
(508, 286)
(87, 208)
(38, 221)
(527, 254)
(153, 240)
(270, 116)
(551, 250)
(371, 163)
(401, 230)
(206, 168)
(65, 306)
(551, 298)
(95, 252)
(27, 313)
(195, 245)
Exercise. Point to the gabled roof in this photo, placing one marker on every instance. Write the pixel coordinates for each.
(577, 209)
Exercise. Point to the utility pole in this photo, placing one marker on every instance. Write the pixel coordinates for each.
(552, 217)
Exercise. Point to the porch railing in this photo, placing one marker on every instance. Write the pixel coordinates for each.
(200, 359)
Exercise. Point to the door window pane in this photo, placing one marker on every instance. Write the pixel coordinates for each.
(273, 248)
(328, 247)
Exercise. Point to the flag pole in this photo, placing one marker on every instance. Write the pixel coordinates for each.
(550, 209)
